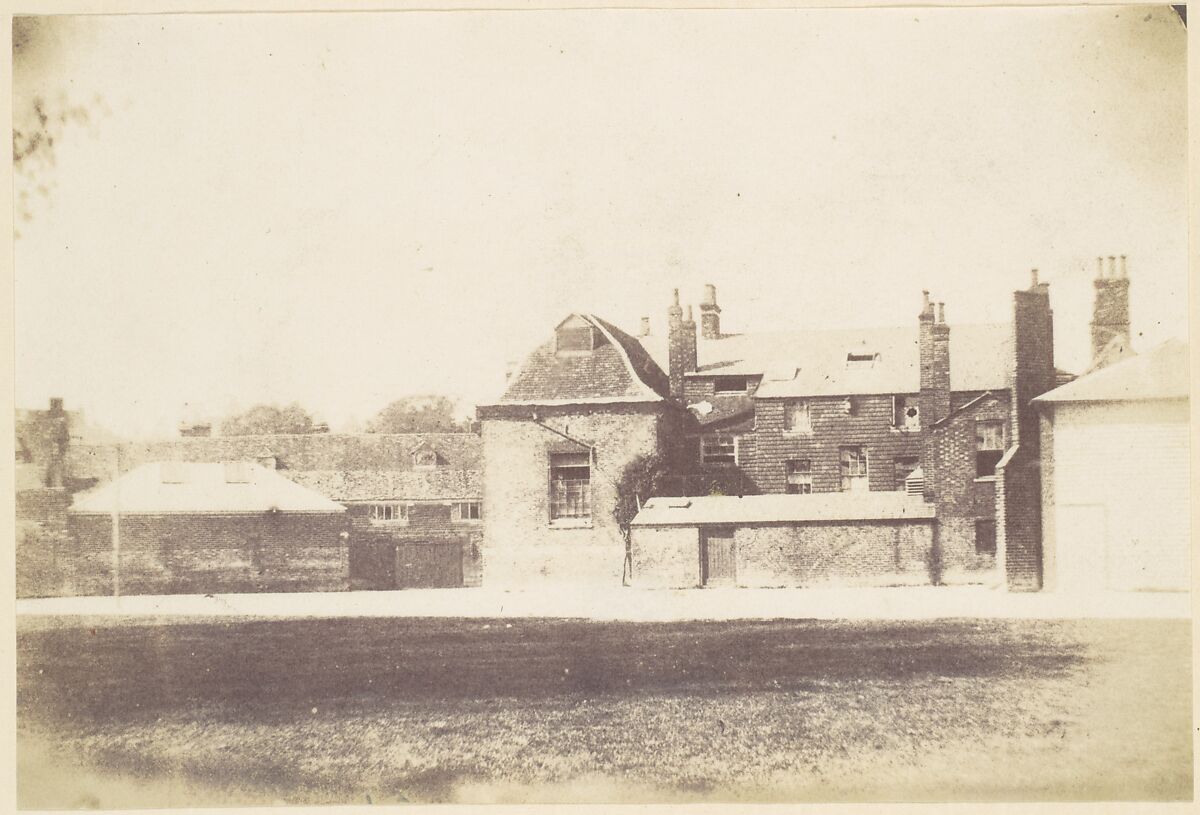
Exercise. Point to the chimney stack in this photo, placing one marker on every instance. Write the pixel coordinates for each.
(933, 340)
(710, 314)
(1110, 314)
(681, 344)
(675, 313)
(1033, 370)
(645, 330)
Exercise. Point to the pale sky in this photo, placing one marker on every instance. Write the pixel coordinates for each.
(341, 209)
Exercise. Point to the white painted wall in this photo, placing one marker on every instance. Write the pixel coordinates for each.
(1119, 517)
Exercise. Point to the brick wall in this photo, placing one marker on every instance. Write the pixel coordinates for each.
(961, 497)
(428, 522)
(47, 507)
(1018, 521)
(40, 555)
(793, 555)
(520, 543)
(870, 425)
(665, 557)
(202, 554)
(858, 553)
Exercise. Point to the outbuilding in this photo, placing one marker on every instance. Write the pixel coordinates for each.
(868, 538)
(189, 528)
(1115, 476)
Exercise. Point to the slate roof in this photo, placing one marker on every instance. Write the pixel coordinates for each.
(204, 490)
(294, 453)
(750, 509)
(617, 370)
(813, 363)
(1160, 373)
(379, 485)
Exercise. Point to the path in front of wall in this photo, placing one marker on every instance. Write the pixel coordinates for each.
(900, 603)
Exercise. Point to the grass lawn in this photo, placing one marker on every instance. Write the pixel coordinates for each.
(387, 710)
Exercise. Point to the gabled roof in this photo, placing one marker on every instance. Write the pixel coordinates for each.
(1160, 373)
(617, 369)
(202, 489)
(986, 396)
(814, 363)
(750, 509)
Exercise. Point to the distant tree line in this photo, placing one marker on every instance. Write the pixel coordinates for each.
(410, 414)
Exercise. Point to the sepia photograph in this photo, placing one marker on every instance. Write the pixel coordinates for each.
(601, 406)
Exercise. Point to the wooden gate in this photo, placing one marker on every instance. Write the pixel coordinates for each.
(429, 565)
(718, 565)
(372, 564)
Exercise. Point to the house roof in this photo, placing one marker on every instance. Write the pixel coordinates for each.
(202, 489)
(1160, 373)
(814, 363)
(750, 509)
(293, 452)
(617, 369)
(393, 485)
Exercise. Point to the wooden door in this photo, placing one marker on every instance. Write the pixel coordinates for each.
(372, 564)
(718, 561)
(429, 565)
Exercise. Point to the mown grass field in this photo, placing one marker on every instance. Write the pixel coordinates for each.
(431, 710)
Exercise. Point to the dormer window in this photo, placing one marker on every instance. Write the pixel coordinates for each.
(856, 360)
(574, 335)
(425, 459)
(729, 384)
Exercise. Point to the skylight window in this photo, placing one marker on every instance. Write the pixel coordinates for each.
(861, 359)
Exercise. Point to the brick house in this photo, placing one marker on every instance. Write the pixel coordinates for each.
(930, 409)
(413, 502)
(200, 528)
(1111, 439)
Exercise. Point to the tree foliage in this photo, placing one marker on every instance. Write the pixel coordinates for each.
(269, 420)
(418, 414)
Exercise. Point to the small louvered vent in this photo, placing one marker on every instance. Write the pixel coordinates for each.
(915, 483)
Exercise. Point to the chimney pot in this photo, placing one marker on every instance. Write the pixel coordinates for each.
(1099, 268)
(645, 326)
(676, 296)
(941, 312)
(689, 314)
(1033, 276)
(1124, 268)
(1112, 266)
(710, 295)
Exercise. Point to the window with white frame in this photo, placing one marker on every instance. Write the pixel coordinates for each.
(989, 446)
(390, 512)
(796, 418)
(854, 469)
(799, 476)
(570, 485)
(468, 511)
(718, 448)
